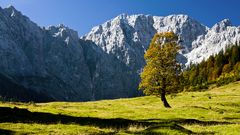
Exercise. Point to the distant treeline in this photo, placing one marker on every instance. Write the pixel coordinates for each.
(221, 69)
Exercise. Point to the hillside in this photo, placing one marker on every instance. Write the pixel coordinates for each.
(215, 111)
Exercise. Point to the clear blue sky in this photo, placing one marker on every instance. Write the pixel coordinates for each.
(82, 15)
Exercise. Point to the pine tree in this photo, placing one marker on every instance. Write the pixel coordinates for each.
(235, 57)
(222, 68)
(219, 62)
(160, 75)
(210, 68)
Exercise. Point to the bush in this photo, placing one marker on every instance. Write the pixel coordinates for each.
(198, 87)
(226, 78)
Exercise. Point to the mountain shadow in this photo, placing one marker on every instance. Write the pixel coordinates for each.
(10, 90)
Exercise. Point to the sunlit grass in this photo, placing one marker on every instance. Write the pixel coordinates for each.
(40, 129)
(218, 104)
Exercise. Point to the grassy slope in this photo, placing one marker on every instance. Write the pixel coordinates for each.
(216, 111)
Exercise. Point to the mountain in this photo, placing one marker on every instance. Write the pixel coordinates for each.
(56, 62)
(221, 36)
(53, 63)
(46, 60)
(127, 37)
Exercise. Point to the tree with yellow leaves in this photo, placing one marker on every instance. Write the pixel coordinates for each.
(160, 75)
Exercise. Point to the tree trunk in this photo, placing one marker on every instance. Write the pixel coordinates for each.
(164, 100)
(163, 94)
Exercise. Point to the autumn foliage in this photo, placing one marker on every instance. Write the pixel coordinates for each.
(160, 75)
(219, 69)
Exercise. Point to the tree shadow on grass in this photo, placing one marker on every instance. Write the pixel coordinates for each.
(16, 115)
(6, 132)
(188, 121)
(171, 126)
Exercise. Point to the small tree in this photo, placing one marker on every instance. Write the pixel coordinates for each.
(160, 75)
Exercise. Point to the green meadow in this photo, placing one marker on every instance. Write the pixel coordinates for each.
(213, 111)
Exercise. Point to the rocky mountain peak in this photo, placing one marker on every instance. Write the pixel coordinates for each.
(121, 16)
(12, 12)
(219, 37)
(221, 26)
(63, 32)
(11, 7)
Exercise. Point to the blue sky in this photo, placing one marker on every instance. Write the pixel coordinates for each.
(82, 15)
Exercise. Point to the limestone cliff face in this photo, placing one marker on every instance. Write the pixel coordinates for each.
(127, 37)
(47, 60)
(221, 36)
(110, 77)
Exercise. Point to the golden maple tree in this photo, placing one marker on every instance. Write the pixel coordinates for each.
(160, 74)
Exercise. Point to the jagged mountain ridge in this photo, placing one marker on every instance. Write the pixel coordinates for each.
(103, 64)
(128, 37)
(125, 33)
(221, 36)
